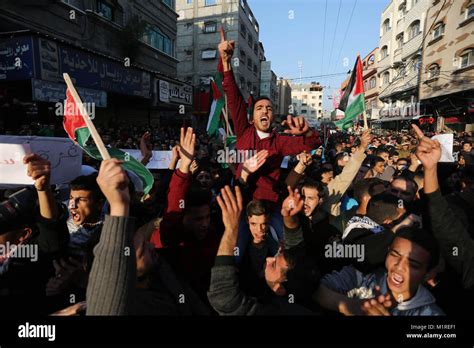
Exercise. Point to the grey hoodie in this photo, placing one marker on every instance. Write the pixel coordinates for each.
(357, 285)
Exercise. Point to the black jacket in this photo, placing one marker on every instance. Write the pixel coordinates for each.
(22, 286)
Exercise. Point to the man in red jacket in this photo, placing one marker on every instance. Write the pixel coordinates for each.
(185, 236)
(258, 134)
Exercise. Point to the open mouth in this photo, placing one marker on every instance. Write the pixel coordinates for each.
(396, 279)
(264, 121)
(75, 216)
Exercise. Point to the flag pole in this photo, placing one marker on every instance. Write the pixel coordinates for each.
(95, 135)
(364, 114)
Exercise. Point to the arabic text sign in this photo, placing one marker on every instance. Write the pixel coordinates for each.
(65, 157)
(12, 168)
(171, 92)
(159, 160)
(16, 59)
(56, 92)
(88, 69)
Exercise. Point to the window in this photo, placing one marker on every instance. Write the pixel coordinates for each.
(386, 26)
(105, 10)
(304, 111)
(373, 82)
(168, 3)
(313, 97)
(414, 2)
(255, 69)
(313, 112)
(313, 104)
(75, 3)
(365, 85)
(209, 2)
(438, 30)
(320, 97)
(249, 63)
(413, 30)
(243, 30)
(386, 78)
(209, 54)
(384, 52)
(467, 58)
(242, 3)
(189, 2)
(470, 11)
(433, 71)
(320, 104)
(399, 40)
(402, 10)
(210, 27)
(371, 60)
(242, 81)
(243, 56)
(250, 41)
(157, 39)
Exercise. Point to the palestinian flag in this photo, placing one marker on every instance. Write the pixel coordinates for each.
(352, 101)
(77, 130)
(218, 103)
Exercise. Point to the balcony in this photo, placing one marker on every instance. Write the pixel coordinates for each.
(399, 85)
(384, 63)
(412, 46)
(397, 55)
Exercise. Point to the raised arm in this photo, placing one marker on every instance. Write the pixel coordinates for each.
(290, 208)
(304, 160)
(180, 182)
(452, 236)
(235, 100)
(224, 294)
(113, 275)
(303, 137)
(339, 185)
(40, 170)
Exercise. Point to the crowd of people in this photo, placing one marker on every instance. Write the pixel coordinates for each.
(365, 223)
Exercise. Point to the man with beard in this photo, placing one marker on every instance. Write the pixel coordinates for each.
(258, 134)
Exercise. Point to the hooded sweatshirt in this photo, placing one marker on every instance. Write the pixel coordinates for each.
(355, 284)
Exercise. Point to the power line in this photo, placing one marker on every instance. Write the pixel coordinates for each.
(334, 35)
(317, 76)
(324, 36)
(347, 31)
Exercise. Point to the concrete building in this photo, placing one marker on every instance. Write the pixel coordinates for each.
(199, 24)
(371, 85)
(122, 53)
(284, 97)
(447, 78)
(402, 29)
(307, 100)
(268, 84)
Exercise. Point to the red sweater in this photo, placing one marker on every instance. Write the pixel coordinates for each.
(189, 257)
(262, 182)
